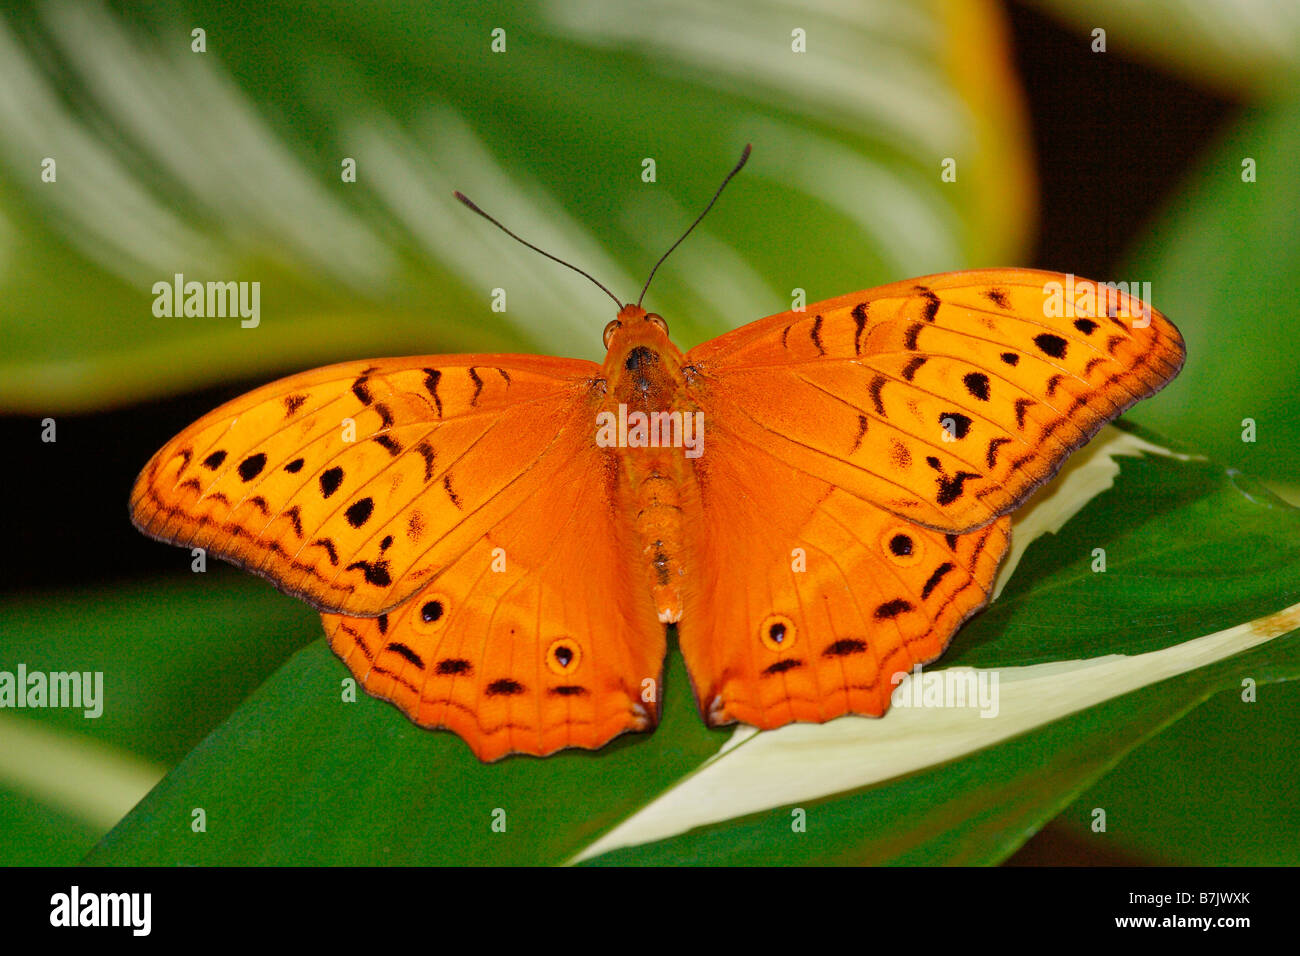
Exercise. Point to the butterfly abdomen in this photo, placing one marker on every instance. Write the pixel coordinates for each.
(657, 509)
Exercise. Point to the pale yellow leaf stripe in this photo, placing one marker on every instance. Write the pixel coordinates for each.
(81, 776)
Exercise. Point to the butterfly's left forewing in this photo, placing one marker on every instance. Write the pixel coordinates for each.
(945, 399)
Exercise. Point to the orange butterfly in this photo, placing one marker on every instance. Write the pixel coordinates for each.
(818, 499)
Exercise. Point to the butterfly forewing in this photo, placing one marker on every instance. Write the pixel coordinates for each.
(349, 486)
(945, 399)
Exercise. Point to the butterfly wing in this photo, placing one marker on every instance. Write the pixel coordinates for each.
(859, 462)
(350, 486)
(542, 636)
(946, 399)
(813, 599)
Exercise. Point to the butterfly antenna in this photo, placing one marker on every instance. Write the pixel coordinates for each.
(468, 202)
(744, 155)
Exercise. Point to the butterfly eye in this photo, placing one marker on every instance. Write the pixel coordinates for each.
(564, 656)
(613, 326)
(658, 320)
(902, 546)
(777, 632)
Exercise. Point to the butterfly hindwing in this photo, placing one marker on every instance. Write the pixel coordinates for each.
(537, 638)
(350, 486)
(945, 399)
(813, 599)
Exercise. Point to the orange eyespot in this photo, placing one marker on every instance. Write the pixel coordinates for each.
(613, 326)
(902, 545)
(658, 320)
(564, 656)
(777, 632)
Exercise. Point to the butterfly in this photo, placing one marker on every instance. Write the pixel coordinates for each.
(817, 500)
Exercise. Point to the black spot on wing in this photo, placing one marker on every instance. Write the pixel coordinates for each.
(431, 378)
(213, 461)
(991, 457)
(330, 479)
(960, 424)
(1050, 344)
(397, 647)
(294, 466)
(851, 645)
(376, 572)
(816, 335)
(361, 389)
(1022, 406)
(891, 609)
(478, 385)
(780, 667)
(426, 451)
(977, 384)
(454, 665)
(950, 486)
(359, 512)
(328, 545)
(931, 307)
(909, 370)
(252, 466)
(998, 297)
(933, 581)
(860, 323)
(389, 444)
(504, 687)
(877, 384)
(446, 484)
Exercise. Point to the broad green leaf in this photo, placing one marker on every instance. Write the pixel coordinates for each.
(226, 165)
(1249, 48)
(1215, 789)
(1089, 665)
(177, 657)
(1222, 263)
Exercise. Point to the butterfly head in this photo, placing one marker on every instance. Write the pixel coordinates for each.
(641, 358)
(634, 322)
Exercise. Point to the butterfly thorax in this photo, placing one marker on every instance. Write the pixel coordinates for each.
(656, 427)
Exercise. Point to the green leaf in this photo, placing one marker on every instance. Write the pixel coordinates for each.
(1214, 789)
(225, 165)
(1222, 263)
(176, 659)
(1089, 664)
